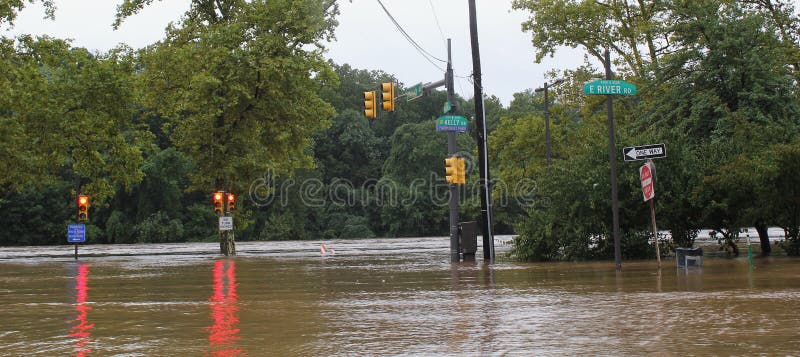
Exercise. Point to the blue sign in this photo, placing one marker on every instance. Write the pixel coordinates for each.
(76, 233)
(451, 123)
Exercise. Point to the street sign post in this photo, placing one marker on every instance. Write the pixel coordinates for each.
(76, 233)
(609, 87)
(648, 191)
(654, 151)
(451, 123)
(226, 223)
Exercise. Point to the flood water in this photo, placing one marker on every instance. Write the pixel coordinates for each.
(384, 297)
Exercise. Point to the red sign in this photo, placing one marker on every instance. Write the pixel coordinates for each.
(647, 182)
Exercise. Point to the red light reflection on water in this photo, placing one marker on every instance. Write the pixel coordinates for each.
(223, 334)
(80, 327)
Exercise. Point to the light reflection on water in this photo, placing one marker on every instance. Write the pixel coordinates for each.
(81, 328)
(384, 297)
(222, 335)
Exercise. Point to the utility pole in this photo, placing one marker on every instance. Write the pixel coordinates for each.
(547, 115)
(480, 125)
(612, 158)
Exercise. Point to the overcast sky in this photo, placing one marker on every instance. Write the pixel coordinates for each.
(366, 38)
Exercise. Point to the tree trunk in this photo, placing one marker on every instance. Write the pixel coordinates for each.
(227, 245)
(763, 236)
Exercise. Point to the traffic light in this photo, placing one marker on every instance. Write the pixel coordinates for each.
(231, 202)
(387, 95)
(451, 169)
(83, 208)
(218, 203)
(461, 169)
(371, 104)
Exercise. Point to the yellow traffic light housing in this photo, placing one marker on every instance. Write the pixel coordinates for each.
(451, 169)
(461, 168)
(218, 203)
(371, 104)
(387, 94)
(231, 202)
(455, 168)
(83, 208)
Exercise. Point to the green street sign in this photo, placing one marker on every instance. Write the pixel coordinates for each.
(414, 91)
(454, 123)
(609, 87)
(447, 107)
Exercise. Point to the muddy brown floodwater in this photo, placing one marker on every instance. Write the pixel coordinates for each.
(384, 297)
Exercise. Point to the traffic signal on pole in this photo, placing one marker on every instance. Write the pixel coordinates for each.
(83, 208)
(387, 94)
(451, 169)
(371, 104)
(461, 169)
(231, 202)
(218, 203)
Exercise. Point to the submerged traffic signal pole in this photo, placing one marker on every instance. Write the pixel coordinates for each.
(482, 137)
(451, 150)
(455, 249)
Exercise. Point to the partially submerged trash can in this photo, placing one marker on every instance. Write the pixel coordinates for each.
(685, 256)
(468, 240)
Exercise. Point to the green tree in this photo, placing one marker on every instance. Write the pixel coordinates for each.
(64, 108)
(238, 82)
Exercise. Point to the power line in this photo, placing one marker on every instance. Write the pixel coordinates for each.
(419, 48)
(436, 18)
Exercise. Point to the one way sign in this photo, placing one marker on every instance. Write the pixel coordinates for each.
(655, 151)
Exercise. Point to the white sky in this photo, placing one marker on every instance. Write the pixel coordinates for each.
(366, 38)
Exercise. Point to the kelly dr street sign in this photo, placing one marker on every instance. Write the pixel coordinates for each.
(655, 151)
(454, 123)
(608, 86)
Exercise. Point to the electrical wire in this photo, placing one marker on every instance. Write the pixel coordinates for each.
(436, 18)
(419, 48)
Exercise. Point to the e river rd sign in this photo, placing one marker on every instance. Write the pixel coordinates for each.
(655, 151)
(609, 87)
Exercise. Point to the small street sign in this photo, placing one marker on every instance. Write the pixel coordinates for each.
(447, 107)
(226, 223)
(607, 86)
(453, 123)
(646, 176)
(76, 233)
(654, 151)
(413, 92)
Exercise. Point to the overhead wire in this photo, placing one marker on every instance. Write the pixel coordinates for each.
(436, 18)
(427, 55)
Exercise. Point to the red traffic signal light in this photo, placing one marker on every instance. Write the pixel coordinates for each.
(218, 203)
(231, 202)
(83, 208)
